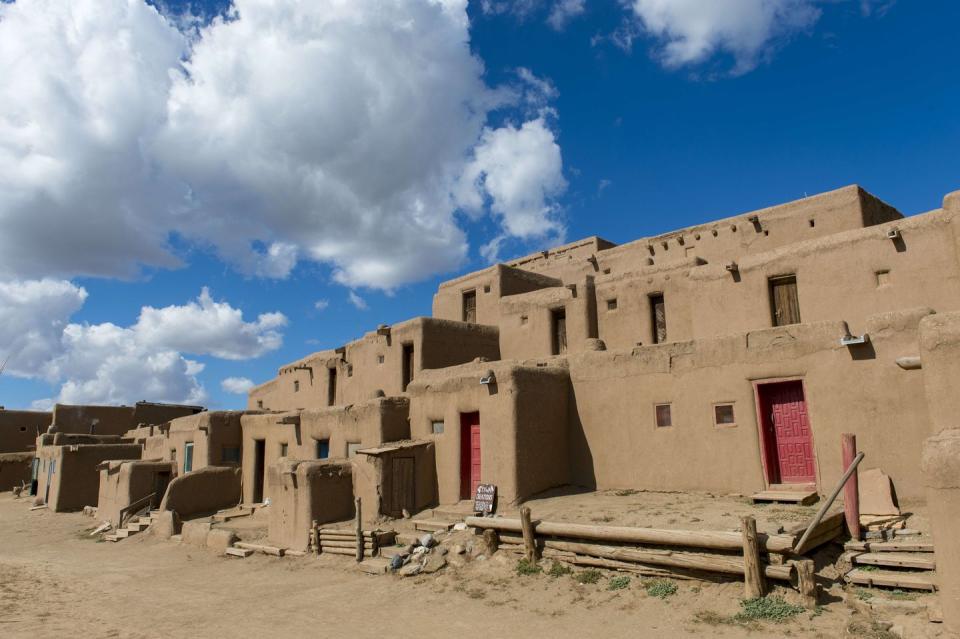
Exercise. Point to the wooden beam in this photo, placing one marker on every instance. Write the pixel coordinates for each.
(806, 582)
(754, 585)
(529, 541)
(851, 491)
(359, 541)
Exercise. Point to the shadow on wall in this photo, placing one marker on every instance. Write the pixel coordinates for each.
(203, 492)
(582, 471)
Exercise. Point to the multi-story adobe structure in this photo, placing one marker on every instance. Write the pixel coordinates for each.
(728, 356)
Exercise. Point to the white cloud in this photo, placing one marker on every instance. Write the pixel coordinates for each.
(691, 31)
(237, 385)
(328, 131)
(357, 301)
(563, 11)
(321, 305)
(110, 364)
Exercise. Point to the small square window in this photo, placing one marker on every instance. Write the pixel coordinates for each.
(323, 448)
(283, 449)
(259, 403)
(723, 415)
(486, 288)
(379, 359)
(664, 418)
(606, 271)
(296, 386)
(612, 304)
(524, 319)
(883, 278)
(437, 426)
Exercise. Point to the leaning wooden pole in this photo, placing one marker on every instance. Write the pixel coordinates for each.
(754, 584)
(529, 542)
(800, 547)
(359, 530)
(851, 491)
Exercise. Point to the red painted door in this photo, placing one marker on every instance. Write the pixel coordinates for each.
(787, 436)
(469, 454)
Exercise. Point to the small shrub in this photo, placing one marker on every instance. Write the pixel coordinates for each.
(618, 583)
(525, 567)
(626, 492)
(864, 595)
(661, 588)
(900, 595)
(559, 570)
(869, 568)
(769, 608)
(589, 576)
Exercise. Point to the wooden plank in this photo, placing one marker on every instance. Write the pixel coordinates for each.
(238, 552)
(754, 585)
(324, 544)
(429, 525)
(786, 496)
(267, 550)
(716, 540)
(896, 560)
(909, 580)
(889, 546)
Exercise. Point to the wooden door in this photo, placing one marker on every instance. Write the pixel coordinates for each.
(402, 489)
(559, 331)
(408, 366)
(784, 302)
(470, 307)
(160, 482)
(788, 441)
(658, 318)
(469, 454)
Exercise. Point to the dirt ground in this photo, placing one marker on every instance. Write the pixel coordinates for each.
(57, 581)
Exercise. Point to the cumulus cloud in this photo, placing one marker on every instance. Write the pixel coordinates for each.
(357, 301)
(691, 31)
(321, 305)
(328, 131)
(563, 11)
(110, 364)
(237, 385)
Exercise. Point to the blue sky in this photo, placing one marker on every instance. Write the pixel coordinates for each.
(832, 93)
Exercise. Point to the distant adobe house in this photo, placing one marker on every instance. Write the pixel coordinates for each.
(727, 356)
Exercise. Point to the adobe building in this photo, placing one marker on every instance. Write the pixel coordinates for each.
(727, 356)
(192, 442)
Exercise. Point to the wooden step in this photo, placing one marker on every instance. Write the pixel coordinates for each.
(267, 550)
(243, 553)
(889, 546)
(892, 579)
(374, 566)
(123, 533)
(432, 525)
(799, 497)
(922, 561)
(138, 526)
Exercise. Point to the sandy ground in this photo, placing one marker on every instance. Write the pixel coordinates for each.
(56, 581)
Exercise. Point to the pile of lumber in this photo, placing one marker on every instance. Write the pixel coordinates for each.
(902, 564)
(342, 541)
(692, 554)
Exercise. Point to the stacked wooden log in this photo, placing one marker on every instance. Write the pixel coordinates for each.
(342, 541)
(685, 554)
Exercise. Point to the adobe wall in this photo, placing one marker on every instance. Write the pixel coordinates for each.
(19, 429)
(523, 421)
(615, 442)
(490, 285)
(124, 482)
(210, 433)
(564, 261)
(15, 469)
(374, 363)
(155, 413)
(526, 329)
(365, 424)
(303, 492)
(93, 420)
(373, 479)
(203, 492)
(75, 481)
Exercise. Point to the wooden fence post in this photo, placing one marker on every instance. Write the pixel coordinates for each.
(851, 491)
(754, 583)
(529, 543)
(491, 539)
(359, 530)
(806, 582)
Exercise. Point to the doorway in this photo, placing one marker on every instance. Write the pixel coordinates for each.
(160, 482)
(259, 468)
(402, 490)
(408, 366)
(187, 457)
(785, 435)
(51, 469)
(469, 454)
(558, 326)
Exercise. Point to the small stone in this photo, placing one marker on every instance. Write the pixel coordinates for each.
(458, 549)
(427, 540)
(442, 551)
(434, 563)
(410, 570)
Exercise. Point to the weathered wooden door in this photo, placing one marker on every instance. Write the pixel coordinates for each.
(469, 454)
(658, 318)
(784, 302)
(470, 307)
(402, 489)
(559, 331)
(786, 433)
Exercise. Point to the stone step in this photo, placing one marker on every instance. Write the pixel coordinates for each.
(921, 561)
(243, 553)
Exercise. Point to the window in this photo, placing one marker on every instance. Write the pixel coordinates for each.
(259, 403)
(331, 386)
(352, 448)
(437, 426)
(188, 457)
(379, 359)
(664, 418)
(323, 448)
(658, 318)
(173, 454)
(612, 304)
(524, 319)
(883, 278)
(470, 307)
(723, 415)
(408, 366)
(558, 322)
(230, 454)
(23, 429)
(784, 303)
(283, 449)
(296, 386)
(486, 288)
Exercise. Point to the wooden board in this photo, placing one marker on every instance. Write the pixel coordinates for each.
(432, 526)
(923, 561)
(802, 498)
(889, 546)
(908, 580)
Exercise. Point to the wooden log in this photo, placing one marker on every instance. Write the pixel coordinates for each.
(529, 543)
(716, 540)
(349, 552)
(314, 537)
(267, 550)
(800, 546)
(851, 490)
(623, 566)
(491, 540)
(754, 584)
(806, 582)
(345, 544)
(359, 531)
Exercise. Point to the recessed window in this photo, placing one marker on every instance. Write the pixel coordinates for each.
(486, 288)
(664, 418)
(379, 359)
(230, 455)
(606, 271)
(813, 223)
(784, 301)
(733, 228)
(23, 429)
(470, 307)
(259, 403)
(283, 449)
(612, 304)
(723, 415)
(323, 448)
(658, 318)
(173, 454)
(296, 386)
(714, 232)
(437, 426)
(883, 278)
(524, 319)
